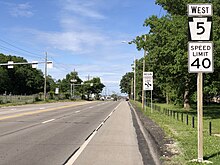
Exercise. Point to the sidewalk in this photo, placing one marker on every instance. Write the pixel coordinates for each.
(115, 143)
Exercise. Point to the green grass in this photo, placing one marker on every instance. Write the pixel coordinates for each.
(185, 136)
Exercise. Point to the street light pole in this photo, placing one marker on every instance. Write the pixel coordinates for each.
(134, 80)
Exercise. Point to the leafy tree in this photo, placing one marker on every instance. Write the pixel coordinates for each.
(167, 48)
(93, 86)
(71, 78)
(125, 83)
(22, 79)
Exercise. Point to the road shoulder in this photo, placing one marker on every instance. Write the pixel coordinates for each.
(115, 143)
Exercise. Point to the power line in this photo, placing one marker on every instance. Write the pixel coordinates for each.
(32, 54)
(14, 51)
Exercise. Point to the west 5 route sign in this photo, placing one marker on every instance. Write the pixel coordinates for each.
(200, 56)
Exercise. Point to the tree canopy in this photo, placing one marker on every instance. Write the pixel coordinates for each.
(22, 79)
(167, 47)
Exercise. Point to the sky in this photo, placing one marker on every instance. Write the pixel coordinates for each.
(88, 36)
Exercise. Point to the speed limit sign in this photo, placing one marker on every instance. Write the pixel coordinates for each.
(200, 57)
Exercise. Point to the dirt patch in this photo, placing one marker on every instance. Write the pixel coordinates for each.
(166, 146)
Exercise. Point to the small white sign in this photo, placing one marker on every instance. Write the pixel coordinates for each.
(56, 91)
(200, 29)
(10, 64)
(148, 81)
(200, 57)
(49, 64)
(34, 64)
(199, 10)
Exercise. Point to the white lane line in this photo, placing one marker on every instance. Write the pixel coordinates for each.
(48, 121)
(42, 108)
(77, 111)
(83, 146)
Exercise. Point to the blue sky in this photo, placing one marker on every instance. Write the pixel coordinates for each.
(85, 35)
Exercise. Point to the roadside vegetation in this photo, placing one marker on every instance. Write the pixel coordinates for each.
(166, 44)
(24, 84)
(184, 147)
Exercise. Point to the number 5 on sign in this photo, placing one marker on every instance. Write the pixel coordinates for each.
(200, 57)
(200, 29)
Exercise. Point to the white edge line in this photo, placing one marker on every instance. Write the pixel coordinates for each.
(48, 121)
(83, 146)
(76, 155)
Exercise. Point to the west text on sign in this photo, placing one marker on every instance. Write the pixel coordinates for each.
(199, 10)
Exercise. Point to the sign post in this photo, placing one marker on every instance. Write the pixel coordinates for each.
(200, 56)
(148, 84)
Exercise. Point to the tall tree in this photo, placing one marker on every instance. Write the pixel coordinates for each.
(166, 44)
(126, 83)
(93, 86)
(22, 79)
(71, 78)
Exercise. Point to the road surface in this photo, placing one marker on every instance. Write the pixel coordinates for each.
(47, 134)
(68, 133)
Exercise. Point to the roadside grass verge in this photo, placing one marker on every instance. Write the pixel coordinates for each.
(185, 136)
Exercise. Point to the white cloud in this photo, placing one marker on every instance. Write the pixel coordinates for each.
(21, 10)
(86, 8)
(75, 42)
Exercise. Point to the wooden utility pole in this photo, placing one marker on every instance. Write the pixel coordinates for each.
(134, 78)
(45, 78)
(143, 92)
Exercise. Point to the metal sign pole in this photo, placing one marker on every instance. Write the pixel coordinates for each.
(200, 115)
(151, 101)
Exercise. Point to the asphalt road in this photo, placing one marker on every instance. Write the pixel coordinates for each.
(47, 134)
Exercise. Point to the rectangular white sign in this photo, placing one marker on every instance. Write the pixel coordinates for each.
(200, 57)
(148, 81)
(199, 10)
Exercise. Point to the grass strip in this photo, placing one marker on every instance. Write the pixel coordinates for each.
(185, 136)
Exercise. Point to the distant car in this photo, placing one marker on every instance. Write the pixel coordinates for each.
(102, 98)
(127, 99)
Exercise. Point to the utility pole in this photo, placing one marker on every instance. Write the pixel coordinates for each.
(45, 78)
(143, 92)
(134, 78)
(132, 87)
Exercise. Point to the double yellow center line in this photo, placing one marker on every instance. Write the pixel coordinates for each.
(35, 112)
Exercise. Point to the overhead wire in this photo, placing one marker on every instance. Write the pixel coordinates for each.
(30, 54)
